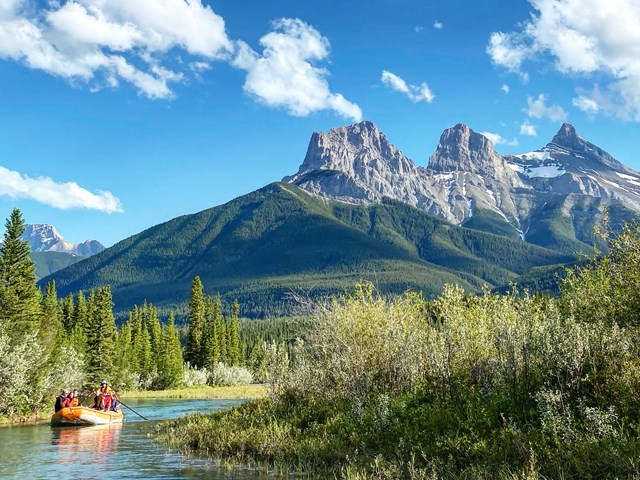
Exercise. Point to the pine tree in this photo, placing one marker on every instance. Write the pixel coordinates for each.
(101, 334)
(233, 340)
(196, 325)
(210, 337)
(68, 319)
(152, 324)
(80, 322)
(171, 372)
(19, 296)
(221, 332)
(50, 331)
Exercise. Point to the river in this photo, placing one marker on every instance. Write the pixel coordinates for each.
(121, 451)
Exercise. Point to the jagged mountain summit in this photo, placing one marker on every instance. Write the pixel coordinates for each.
(45, 238)
(550, 196)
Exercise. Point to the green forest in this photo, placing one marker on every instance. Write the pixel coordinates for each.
(48, 343)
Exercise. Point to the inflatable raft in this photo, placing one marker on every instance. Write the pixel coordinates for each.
(85, 416)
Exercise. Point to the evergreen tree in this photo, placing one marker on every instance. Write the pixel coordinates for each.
(196, 324)
(125, 361)
(50, 331)
(210, 337)
(19, 296)
(152, 324)
(101, 334)
(171, 372)
(221, 333)
(233, 340)
(80, 324)
(68, 319)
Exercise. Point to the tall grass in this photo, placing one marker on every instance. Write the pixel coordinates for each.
(463, 386)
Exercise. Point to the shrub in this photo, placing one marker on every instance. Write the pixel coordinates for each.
(226, 375)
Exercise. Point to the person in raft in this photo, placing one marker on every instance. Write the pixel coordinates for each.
(73, 400)
(61, 400)
(102, 400)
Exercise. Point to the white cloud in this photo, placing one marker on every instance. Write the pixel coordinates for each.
(64, 196)
(582, 38)
(284, 75)
(537, 108)
(586, 104)
(416, 93)
(418, 28)
(104, 42)
(498, 139)
(438, 25)
(505, 88)
(527, 129)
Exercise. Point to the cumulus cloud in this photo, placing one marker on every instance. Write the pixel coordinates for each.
(104, 42)
(538, 108)
(505, 88)
(583, 39)
(418, 28)
(527, 129)
(498, 139)
(284, 74)
(64, 196)
(438, 25)
(416, 93)
(586, 104)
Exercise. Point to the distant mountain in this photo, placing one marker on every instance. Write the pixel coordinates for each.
(45, 238)
(50, 262)
(550, 197)
(262, 246)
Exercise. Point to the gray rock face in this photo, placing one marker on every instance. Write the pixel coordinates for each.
(357, 164)
(45, 238)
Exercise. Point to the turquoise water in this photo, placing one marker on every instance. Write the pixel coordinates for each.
(120, 451)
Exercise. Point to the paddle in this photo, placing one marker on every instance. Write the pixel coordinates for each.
(141, 416)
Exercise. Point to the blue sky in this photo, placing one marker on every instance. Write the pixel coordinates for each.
(118, 115)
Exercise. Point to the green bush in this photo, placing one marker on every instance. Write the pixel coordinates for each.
(464, 385)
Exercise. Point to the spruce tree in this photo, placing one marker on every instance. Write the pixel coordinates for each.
(152, 323)
(80, 324)
(101, 334)
(195, 349)
(50, 331)
(210, 337)
(68, 319)
(233, 340)
(19, 296)
(172, 356)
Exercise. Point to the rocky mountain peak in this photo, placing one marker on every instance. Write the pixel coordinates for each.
(567, 137)
(351, 150)
(45, 238)
(462, 149)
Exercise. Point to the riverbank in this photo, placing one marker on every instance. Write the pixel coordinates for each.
(242, 392)
(496, 387)
(195, 393)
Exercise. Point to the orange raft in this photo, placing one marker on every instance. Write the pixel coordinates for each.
(85, 416)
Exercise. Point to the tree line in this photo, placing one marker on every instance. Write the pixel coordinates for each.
(47, 342)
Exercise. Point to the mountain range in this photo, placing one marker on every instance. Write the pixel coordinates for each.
(359, 209)
(548, 197)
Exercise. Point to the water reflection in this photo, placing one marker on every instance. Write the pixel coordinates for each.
(122, 451)
(90, 444)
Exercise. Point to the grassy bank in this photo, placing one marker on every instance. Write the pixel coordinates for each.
(239, 392)
(497, 386)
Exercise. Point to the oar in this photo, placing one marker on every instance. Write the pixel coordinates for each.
(141, 416)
